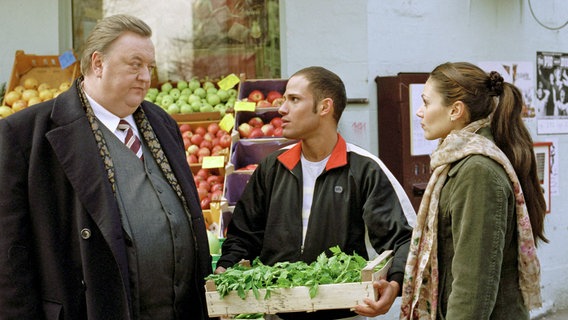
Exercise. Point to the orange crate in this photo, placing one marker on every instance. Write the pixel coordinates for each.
(44, 68)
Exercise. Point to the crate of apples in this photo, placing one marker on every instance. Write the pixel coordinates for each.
(256, 127)
(210, 184)
(203, 140)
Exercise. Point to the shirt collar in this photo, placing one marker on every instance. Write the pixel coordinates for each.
(338, 157)
(107, 118)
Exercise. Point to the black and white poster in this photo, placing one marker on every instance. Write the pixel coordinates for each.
(551, 94)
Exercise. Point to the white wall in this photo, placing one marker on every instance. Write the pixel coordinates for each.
(29, 25)
(415, 36)
(362, 39)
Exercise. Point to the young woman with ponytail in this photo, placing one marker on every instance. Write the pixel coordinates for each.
(473, 251)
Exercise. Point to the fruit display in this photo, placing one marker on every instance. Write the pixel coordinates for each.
(185, 97)
(203, 140)
(30, 92)
(252, 125)
(210, 184)
(36, 78)
(264, 93)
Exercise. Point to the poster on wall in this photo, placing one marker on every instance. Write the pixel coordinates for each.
(551, 94)
(543, 160)
(520, 74)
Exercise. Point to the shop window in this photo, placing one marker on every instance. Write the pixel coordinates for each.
(227, 36)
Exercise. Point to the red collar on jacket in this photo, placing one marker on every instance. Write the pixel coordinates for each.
(338, 158)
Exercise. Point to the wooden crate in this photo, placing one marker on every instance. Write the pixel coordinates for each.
(297, 299)
(44, 68)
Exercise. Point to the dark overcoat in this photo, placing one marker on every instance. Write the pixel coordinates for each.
(62, 249)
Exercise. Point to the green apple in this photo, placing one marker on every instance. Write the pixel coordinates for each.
(183, 98)
(213, 99)
(196, 105)
(166, 87)
(233, 92)
(194, 84)
(182, 84)
(223, 94)
(173, 109)
(185, 108)
(167, 101)
(208, 84)
(175, 93)
(153, 91)
(186, 91)
(211, 90)
(206, 108)
(200, 92)
(192, 98)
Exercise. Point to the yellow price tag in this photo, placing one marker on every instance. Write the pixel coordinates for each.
(213, 162)
(245, 106)
(227, 123)
(228, 82)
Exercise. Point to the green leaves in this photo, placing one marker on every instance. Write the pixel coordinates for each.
(338, 268)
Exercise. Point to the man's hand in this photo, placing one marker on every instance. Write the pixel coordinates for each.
(243, 262)
(219, 270)
(387, 293)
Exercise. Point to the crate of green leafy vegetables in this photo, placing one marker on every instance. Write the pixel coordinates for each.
(337, 282)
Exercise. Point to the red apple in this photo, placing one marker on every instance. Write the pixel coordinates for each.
(216, 186)
(184, 127)
(256, 133)
(263, 104)
(214, 179)
(186, 143)
(203, 173)
(225, 141)
(256, 122)
(216, 195)
(196, 139)
(206, 144)
(272, 95)
(213, 128)
(267, 130)
(191, 158)
(202, 193)
(216, 150)
(278, 131)
(203, 152)
(204, 184)
(221, 133)
(200, 131)
(244, 130)
(278, 102)
(276, 122)
(192, 149)
(255, 96)
(205, 203)
(187, 134)
(208, 136)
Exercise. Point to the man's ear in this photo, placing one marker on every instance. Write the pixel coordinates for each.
(326, 106)
(97, 63)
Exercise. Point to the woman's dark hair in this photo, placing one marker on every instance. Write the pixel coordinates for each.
(463, 81)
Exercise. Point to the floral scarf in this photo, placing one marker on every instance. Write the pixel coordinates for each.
(420, 286)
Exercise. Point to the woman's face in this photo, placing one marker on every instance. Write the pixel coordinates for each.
(435, 116)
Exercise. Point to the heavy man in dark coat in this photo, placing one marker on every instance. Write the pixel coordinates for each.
(80, 235)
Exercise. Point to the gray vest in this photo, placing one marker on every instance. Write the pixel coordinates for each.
(161, 252)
